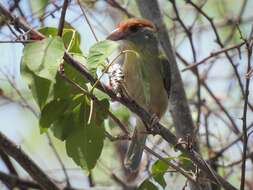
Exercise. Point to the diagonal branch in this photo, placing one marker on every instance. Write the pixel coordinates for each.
(33, 169)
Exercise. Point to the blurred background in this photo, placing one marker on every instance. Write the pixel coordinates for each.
(216, 90)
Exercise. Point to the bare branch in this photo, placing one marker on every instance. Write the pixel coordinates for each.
(36, 173)
(62, 19)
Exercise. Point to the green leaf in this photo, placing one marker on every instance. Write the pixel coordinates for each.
(62, 88)
(49, 31)
(185, 161)
(159, 178)
(147, 185)
(39, 87)
(100, 95)
(44, 57)
(68, 122)
(100, 113)
(52, 111)
(39, 66)
(71, 39)
(159, 167)
(158, 170)
(64, 126)
(98, 54)
(38, 6)
(85, 145)
(73, 74)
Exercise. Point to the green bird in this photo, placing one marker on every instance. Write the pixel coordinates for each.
(141, 75)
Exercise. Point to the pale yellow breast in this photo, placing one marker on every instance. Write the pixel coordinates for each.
(133, 81)
(154, 102)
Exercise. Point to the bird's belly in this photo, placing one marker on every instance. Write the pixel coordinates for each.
(134, 86)
(158, 98)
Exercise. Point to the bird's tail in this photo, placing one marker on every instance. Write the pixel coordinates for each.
(135, 149)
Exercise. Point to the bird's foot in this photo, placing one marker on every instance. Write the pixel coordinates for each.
(186, 142)
(153, 122)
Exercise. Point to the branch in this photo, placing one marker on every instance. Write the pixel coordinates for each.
(190, 38)
(35, 172)
(14, 181)
(211, 93)
(62, 18)
(8, 163)
(116, 5)
(19, 22)
(244, 117)
(218, 40)
(214, 54)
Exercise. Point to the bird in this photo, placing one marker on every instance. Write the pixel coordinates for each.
(144, 76)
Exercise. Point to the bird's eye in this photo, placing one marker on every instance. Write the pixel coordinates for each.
(134, 28)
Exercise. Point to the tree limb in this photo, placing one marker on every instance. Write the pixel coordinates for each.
(36, 173)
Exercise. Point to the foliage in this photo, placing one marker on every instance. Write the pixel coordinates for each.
(64, 108)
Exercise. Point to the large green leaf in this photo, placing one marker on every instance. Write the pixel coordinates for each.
(52, 111)
(63, 88)
(68, 121)
(39, 66)
(39, 87)
(98, 54)
(85, 145)
(44, 57)
(64, 126)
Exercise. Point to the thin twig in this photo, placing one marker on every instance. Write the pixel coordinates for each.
(218, 40)
(58, 159)
(14, 181)
(214, 54)
(87, 20)
(116, 5)
(244, 117)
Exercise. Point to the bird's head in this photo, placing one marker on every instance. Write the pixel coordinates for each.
(135, 30)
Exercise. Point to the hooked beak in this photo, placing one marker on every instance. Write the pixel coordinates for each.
(116, 35)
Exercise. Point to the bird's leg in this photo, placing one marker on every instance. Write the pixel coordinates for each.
(186, 142)
(153, 121)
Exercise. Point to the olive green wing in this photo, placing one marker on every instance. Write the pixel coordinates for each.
(166, 73)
